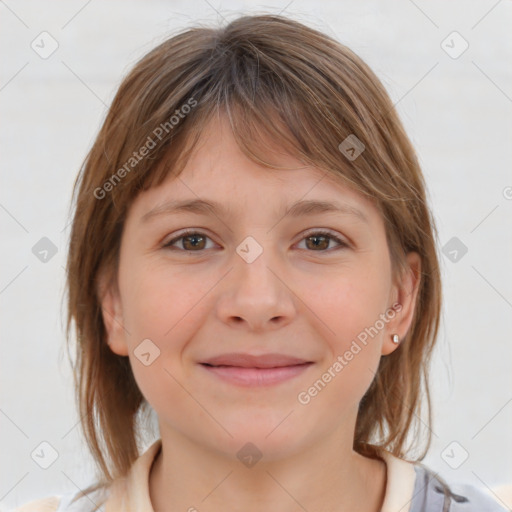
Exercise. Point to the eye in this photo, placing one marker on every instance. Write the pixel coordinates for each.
(191, 239)
(321, 240)
(195, 241)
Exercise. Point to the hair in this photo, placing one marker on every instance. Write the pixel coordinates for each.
(275, 79)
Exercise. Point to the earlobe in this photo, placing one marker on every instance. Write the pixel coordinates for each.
(406, 292)
(111, 311)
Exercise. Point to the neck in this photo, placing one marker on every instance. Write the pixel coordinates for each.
(185, 476)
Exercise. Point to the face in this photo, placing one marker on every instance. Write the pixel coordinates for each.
(310, 290)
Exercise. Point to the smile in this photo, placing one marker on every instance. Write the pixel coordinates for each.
(256, 377)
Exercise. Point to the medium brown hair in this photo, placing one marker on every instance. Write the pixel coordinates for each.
(276, 79)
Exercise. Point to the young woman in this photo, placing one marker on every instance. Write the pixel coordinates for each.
(253, 256)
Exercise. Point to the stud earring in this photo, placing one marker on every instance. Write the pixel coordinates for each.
(396, 339)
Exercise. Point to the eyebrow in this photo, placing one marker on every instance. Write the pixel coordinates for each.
(298, 209)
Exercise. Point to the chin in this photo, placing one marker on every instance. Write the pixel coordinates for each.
(273, 443)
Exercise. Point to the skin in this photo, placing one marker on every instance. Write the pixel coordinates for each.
(294, 299)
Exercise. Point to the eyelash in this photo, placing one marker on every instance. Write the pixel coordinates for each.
(189, 232)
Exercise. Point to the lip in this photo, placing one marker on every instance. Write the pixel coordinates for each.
(254, 371)
(253, 361)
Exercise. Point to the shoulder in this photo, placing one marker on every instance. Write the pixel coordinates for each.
(433, 494)
(68, 502)
(48, 504)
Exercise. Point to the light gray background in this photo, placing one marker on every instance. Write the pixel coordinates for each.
(457, 112)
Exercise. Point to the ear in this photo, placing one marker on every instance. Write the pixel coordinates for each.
(112, 313)
(405, 292)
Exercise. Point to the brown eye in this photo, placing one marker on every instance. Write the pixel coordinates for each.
(194, 241)
(191, 241)
(319, 241)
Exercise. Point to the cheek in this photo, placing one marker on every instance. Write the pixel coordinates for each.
(159, 302)
(351, 303)
(163, 308)
(166, 307)
(351, 307)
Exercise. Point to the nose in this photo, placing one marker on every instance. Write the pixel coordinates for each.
(256, 296)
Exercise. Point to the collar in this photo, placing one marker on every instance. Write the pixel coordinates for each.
(401, 478)
(131, 493)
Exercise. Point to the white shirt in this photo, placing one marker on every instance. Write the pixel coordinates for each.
(410, 487)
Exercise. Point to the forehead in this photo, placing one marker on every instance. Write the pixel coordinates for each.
(219, 171)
